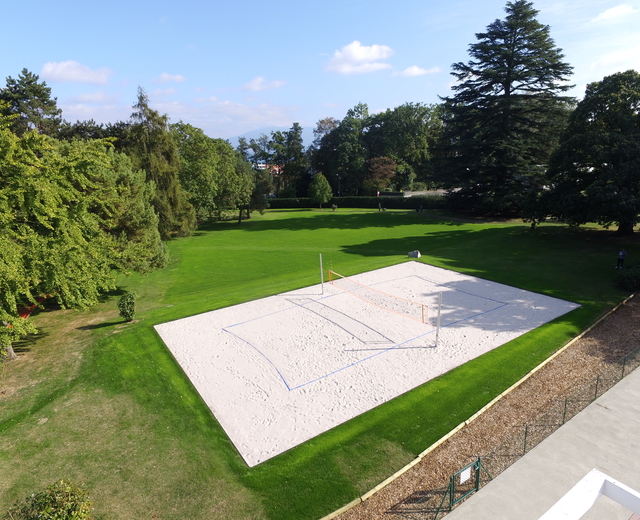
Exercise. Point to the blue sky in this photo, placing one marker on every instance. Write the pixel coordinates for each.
(233, 67)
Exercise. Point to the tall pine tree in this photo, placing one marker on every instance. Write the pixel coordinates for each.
(31, 101)
(153, 149)
(506, 115)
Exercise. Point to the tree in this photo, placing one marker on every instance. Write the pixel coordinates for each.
(70, 213)
(287, 159)
(262, 187)
(153, 149)
(406, 135)
(31, 101)
(382, 171)
(201, 167)
(506, 115)
(594, 175)
(320, 190)
(342, 151)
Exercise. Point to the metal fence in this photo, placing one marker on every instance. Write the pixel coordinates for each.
(436, 503)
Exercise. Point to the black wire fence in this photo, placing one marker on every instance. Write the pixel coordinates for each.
(434, 504)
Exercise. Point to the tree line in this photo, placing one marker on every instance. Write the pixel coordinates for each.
(80, 200)
(509, 141)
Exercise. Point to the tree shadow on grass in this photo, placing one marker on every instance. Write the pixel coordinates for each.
(106, 296)
(27, 342)
(568, 263)
(334, 220)
(102, 325)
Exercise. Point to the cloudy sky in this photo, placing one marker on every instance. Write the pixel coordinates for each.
(233, 67)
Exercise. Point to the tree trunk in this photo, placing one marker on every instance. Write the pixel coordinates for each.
(625, 228)
(8, 354)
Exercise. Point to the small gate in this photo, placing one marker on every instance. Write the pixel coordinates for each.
(462, 484)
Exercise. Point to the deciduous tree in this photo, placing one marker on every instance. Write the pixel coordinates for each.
(320, 190)
(70, 213)
(594, 175)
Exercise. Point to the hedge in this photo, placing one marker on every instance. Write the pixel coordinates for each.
(427, 202)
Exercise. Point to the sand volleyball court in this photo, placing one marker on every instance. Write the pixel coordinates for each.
(278, 371)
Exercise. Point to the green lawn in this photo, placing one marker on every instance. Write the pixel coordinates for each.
(103, 402)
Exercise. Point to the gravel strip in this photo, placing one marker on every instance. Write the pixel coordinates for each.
(609, 341)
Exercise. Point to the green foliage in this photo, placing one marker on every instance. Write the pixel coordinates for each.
(506, 115)
(350, 151)
(153, 149)
(262, 187)
(70, 213)
(287, 157)
(127, 305)
(61, 500)
(320, 190)
(629, 279)
(31, 102)
(595, 173)
(149, 432)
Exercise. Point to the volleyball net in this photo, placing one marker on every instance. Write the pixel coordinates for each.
(388, 302)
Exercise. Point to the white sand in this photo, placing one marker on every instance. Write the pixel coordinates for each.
(277, 372)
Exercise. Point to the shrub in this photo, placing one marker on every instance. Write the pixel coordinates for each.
(127, 305)
(61, 500)
(629, 279)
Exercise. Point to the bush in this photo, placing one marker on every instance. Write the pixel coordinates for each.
(629, 279)
(61, 500)
(127, 305)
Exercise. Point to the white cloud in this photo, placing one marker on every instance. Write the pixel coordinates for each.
(225, 118)
(95, 98)
(206, 100)
(167, 78)
(620, 60)
(356, 58)
(72, 71)
(260, 83)
(159, 92)
(414, 70)
(620, 11)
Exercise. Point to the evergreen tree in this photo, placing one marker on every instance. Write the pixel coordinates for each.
(31, 101)
(506, 115)
(153, 149)
(288, 158)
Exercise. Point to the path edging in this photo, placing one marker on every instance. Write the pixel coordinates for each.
(415, 461)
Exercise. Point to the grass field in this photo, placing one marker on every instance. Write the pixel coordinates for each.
(103, 402)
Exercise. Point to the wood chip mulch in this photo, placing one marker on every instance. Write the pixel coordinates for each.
(610, 340)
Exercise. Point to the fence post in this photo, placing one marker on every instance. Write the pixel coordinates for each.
(597, 383)
(526, 433)
(624, 364)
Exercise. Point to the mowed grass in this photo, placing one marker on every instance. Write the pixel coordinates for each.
(103, 402)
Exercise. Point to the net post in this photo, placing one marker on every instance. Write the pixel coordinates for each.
(321, 275)
(438, 319)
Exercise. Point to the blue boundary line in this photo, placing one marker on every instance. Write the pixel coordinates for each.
(384, 351)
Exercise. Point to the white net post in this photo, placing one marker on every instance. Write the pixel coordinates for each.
(321, 275)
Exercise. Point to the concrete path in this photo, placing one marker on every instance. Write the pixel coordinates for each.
(605, 436)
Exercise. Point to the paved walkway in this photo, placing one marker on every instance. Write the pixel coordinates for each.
(605, 436)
